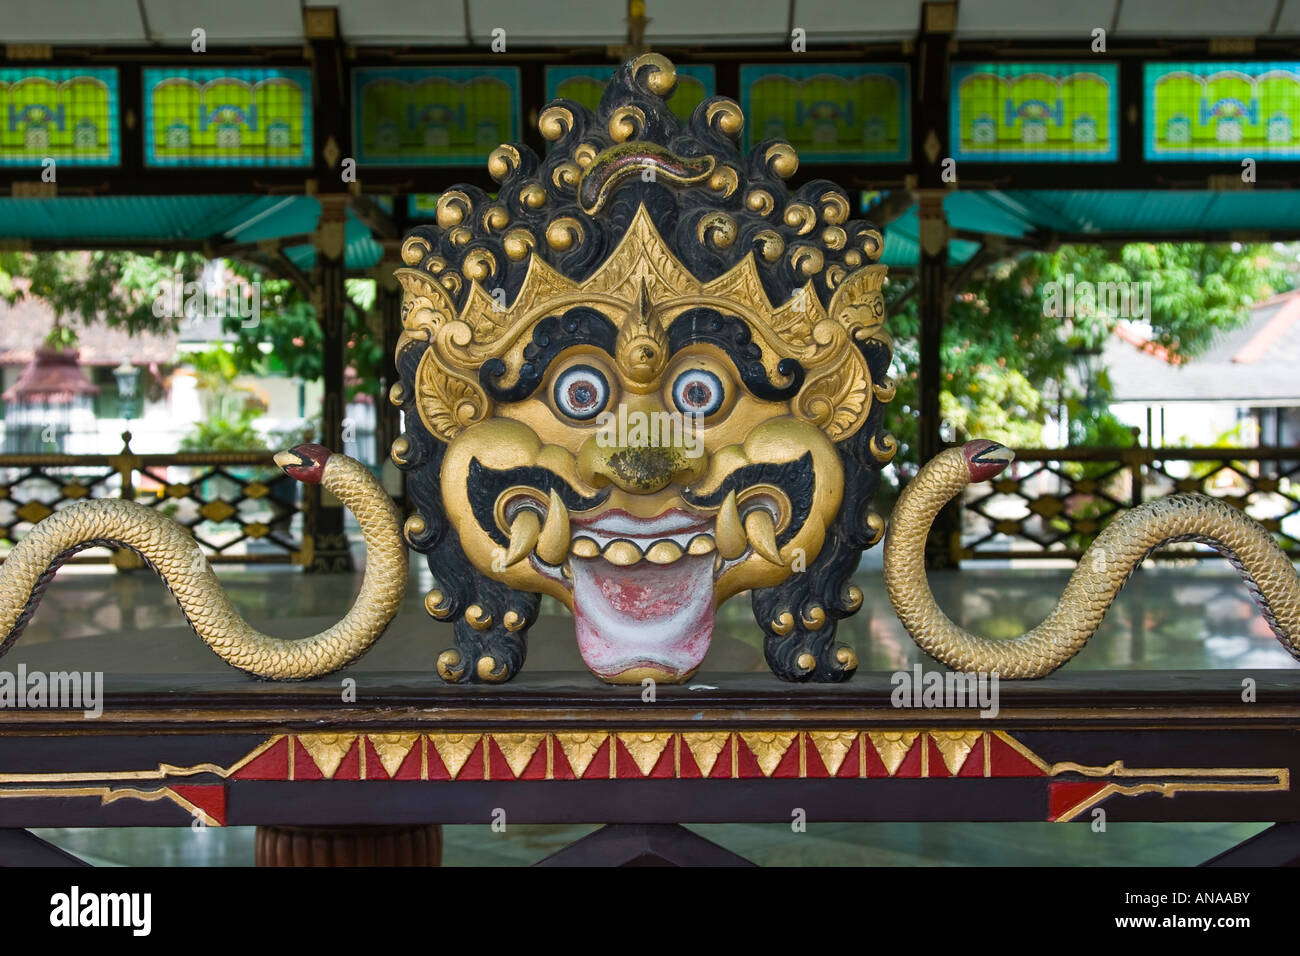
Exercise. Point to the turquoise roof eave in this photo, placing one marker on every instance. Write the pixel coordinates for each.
(1014, 214)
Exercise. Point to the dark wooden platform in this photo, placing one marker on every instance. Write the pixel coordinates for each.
(562, 748)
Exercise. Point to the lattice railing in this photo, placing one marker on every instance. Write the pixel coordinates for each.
(1051, 503)
(239, 506)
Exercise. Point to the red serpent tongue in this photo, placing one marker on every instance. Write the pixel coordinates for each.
(645, 620)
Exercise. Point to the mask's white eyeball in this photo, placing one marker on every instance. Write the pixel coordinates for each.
(581, 392)
(697, 392)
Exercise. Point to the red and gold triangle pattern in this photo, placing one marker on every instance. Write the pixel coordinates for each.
(632, 755)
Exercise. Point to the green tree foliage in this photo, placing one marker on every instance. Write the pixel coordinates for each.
(1008, 360)
(113, 287)
(287, 338)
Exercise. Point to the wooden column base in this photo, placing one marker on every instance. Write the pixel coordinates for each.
(404, 845)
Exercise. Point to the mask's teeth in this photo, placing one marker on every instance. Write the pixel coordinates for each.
(664, 552)
(700, 544)
(523, 535)
(585, 548)
(553, 541)
(728, 532)
(622, 553)
(761, 532)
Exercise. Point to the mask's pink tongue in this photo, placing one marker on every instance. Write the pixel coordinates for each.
(643, 616)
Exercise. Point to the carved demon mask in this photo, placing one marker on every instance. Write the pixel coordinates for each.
(642, 379)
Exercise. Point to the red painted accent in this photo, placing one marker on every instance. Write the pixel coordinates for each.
(937, 767)
(437, 769)
(304, 768)
(598, 769)
(563, 769)
(500, 767)
(666, 765)
(410, 768)
(789, 765)
(814, 766)
(690, 768)
(982, 471)
(911, 765)
(375, 769)
(473, 769)
(1063, 795)
(746, 763)
(270, 764)
(536, 769)
(627, 768)
(313, 470)
(350, 765)
(210, 798)
(875, 767)
(1005, 761)
(974, 765)
(722, 765)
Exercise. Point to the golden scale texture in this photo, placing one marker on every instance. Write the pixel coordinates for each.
(1102, 571)
(172, 551)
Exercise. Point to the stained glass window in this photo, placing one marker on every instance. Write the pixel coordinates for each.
(829, 112)
(406, 116)
(1035, 112)
(1208, 111)
(68, 115)
(228, 117)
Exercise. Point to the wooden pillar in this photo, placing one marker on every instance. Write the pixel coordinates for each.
(388, 299)
(934, 178)
(398, 845)
(332, 145)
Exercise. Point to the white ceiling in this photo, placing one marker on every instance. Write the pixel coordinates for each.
(599, 22)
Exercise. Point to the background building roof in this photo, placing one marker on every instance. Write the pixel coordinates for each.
(1258, 364)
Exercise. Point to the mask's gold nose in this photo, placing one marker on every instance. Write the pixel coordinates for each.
(639, 469)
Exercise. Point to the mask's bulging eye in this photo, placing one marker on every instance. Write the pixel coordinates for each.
(581, 392)
(697, 392)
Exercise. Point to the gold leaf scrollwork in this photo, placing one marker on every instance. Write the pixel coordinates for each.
(716, 229)
(554, 122)
(626, 123)
(835, 208)
(858, 304)
(562, 233)
(519, 242)
(656, 72)
(502, 161)
(426, 305)
(807, 260)
(414, 249)
(532, 196)
(724, 180)
(782, 160)
(759, 201)
(478, 265)
(495, 218)
(884, 449)
(801, 217)
(449, 400)
(454, 208)
(725, 116)
(770, 245)
(567, 176)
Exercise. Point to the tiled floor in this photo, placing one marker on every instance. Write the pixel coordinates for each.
(1190, 616)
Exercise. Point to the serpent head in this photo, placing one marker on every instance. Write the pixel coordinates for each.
(304, 463)
(985, 458)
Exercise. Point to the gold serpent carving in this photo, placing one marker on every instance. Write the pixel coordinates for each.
(172, 551)
(1102, 570)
